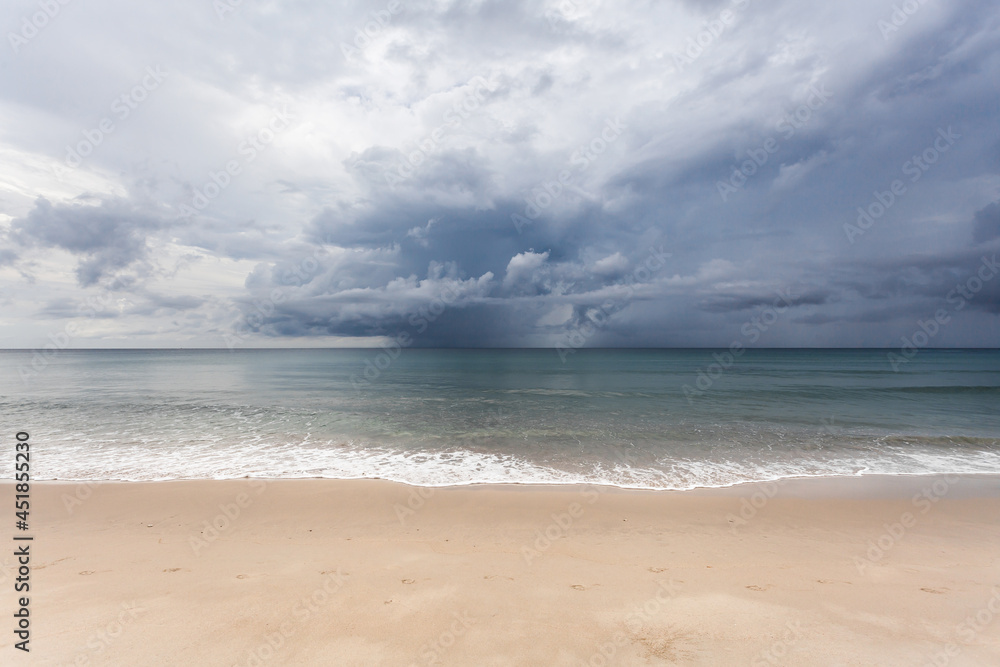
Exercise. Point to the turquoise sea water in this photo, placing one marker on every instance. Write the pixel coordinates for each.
(660, 419)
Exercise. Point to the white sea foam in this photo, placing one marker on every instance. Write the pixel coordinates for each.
(81, 458)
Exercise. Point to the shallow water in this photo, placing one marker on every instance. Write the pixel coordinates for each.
(664, 419)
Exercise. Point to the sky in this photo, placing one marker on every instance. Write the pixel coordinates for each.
(241, 173)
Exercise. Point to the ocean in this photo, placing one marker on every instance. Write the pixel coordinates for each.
(651, 419)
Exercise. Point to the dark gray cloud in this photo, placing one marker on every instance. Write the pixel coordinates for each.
(106, 235)
(721, 303)
(987, 225)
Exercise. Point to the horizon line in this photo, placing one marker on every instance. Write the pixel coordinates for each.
(580, 349)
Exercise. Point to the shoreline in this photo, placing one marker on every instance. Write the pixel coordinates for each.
(986, 484)
(250, 572)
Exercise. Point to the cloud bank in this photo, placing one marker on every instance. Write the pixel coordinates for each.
(499, 173)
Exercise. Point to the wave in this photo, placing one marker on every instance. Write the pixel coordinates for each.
(89, 460)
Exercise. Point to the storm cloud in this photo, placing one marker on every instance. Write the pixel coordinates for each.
(499, 173)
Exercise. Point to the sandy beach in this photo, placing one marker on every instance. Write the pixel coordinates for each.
(851, 571)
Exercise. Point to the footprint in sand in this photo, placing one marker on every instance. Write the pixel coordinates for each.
(172, 569)
(497, 576)
(407, 581)
(87, 572)
(758, 588)
(657, 570)
(579, 587)
(934, 590)
(242, 576)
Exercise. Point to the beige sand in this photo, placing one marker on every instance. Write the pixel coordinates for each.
(132, 574)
